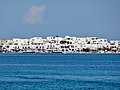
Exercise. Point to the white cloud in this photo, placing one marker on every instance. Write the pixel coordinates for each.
(35, 15)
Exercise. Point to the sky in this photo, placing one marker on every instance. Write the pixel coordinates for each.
(42, 18)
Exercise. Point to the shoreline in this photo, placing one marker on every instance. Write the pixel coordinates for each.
(59, 53)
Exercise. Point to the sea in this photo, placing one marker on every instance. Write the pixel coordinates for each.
(59, 71)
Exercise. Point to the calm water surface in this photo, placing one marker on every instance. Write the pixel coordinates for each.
(59, 71)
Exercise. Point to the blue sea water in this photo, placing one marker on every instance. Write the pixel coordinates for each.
(59, 71)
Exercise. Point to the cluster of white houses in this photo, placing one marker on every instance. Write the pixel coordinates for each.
(60, 45)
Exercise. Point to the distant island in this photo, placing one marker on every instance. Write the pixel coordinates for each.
(59, 45)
